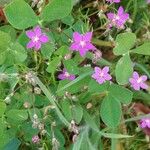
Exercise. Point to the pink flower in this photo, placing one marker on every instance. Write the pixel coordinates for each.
(37, 38)
(101, 75)
(113, 1)
(82, 43)
(145, 123)
(118, 20)
(148, 1)
(65, 75)
(35, 139)
(137, 81)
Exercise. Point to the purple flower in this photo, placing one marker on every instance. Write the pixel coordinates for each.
(118, 20)
(65, 75)
(113, 1)
(145, 123)
(37, 38)
(101, 75)
(82, 43)
(35, 139)
(137, 81)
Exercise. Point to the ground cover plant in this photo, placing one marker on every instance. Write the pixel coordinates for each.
(74, 74)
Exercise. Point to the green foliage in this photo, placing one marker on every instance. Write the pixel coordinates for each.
(34, 101)
(124, 42)
(143, 49)
(23, 21)
(124, 70)
(111, 111)
(56, 9)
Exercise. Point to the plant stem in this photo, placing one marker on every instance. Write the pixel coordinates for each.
(102, 43)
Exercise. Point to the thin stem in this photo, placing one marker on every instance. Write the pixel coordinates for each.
(103, 43)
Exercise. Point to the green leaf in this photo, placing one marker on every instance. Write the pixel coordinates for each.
(111, 111)
(20, 15)
(143, 49)
(15, 53)
(124, 70)
(2, 108)
(16, 116)
(69, 20)
(4, 42)
(62, 51)
(13, 144)
(56, 9)
(124, 42)
(47, 50)
(53, 64)
(71, 66)
(10, 30)
(95, 87)
(77, 113)
(125, 96)
(66, 108)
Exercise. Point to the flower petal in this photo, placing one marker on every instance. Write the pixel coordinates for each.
(120, 10)
(77, 37)
(37, 31)
(71, 77)
(144, 78)
(107, 77)
(135, 75)
(82, 52)
(61, 76)
(30, 34)
(136, 87)
(44, 38)
(74, 47)
(87, 36)
(97, 70)
(143, 85)
(110, 16)
(90, 46)
(105, 69)
(37, 46)
(100, 80)
(31, 44)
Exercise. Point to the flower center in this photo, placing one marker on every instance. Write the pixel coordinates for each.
(101, 74)
(35, 39)
(82, 43)
(139, 80)
(67, 74)
(117, 17)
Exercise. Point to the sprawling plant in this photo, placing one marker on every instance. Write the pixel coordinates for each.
(71, 73)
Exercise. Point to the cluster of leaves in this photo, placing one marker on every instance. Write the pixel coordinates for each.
(78, 114)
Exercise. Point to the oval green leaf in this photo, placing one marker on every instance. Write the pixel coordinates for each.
(56, 9)
(124, 70)
(124, 42)
(20, 15)
(111, 111)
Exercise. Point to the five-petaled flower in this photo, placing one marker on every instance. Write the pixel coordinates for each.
(82, 43)
(145, 123)
(37, 38)
(113, 1)
(101, 75)
(118, 20)
(65, 75)
(138, 82)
